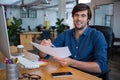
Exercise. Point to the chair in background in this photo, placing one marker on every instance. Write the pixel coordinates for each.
(115, 50)
(46, 34)
(109, 35)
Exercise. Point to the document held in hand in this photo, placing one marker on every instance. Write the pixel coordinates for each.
(61, 52)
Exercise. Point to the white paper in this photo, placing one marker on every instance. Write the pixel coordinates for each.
(61, 52)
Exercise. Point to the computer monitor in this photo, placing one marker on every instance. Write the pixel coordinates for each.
(4, 40)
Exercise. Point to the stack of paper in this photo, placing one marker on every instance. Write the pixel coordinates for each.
(61, 52)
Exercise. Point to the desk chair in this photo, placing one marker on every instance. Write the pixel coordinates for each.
(115, 48)
(108, 33)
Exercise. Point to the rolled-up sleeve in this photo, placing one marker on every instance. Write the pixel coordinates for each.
(101, 52)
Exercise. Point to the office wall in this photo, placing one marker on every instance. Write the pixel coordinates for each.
(10, 12)
(42, 15)
(116, 19)
(97, 2)
(116, 14)
(100, 2)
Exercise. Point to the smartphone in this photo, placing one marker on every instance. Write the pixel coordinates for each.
(60, 74)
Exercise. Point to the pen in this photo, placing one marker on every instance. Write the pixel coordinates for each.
(52, 45)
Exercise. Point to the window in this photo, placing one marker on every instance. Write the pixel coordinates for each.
(28, 13)
(23, 14)
(108, 20)
(32, 13)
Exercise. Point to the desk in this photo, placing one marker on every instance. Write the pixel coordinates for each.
(45, 71)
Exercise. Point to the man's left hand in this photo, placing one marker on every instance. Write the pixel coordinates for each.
(63, 61)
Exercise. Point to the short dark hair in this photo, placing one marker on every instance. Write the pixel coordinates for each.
(81, 7)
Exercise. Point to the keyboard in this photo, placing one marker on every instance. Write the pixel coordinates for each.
(26, 63)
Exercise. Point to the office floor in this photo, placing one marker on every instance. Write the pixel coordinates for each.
(114, 65)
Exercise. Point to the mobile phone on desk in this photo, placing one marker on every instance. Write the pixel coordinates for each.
(61, 74)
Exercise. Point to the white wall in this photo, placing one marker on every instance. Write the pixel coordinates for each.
(51, 15)
(10, 12)
(41, 18)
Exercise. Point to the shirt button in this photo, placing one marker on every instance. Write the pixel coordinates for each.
(75, 56)
(76, 47)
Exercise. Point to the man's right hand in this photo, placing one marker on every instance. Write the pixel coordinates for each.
(45, 43)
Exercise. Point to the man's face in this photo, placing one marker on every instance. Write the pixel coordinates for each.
(80, 19)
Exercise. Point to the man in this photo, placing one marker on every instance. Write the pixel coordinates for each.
(88, 46)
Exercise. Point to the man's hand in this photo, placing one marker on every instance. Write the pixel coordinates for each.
(64, 61)
(45, 43)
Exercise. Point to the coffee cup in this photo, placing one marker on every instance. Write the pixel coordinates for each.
(20, 49)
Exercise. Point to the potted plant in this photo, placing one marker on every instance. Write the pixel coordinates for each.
(14, 31)
(60, 25)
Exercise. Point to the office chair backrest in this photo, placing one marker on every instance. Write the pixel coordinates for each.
(109, 36)
(46, 34)
(107, 31)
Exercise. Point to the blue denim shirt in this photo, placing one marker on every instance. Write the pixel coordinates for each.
(91, 46)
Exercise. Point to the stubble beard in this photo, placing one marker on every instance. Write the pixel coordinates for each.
(80, 28)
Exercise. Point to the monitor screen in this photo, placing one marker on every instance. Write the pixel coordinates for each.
(4, 40)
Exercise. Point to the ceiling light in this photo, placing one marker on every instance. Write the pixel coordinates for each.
(84, 1)
(24, 9)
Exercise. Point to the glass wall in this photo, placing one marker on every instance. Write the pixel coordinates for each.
(104, 15)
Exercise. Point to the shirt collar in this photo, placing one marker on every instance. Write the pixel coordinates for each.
(85, 32)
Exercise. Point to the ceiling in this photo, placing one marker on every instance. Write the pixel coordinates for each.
(41, 4)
